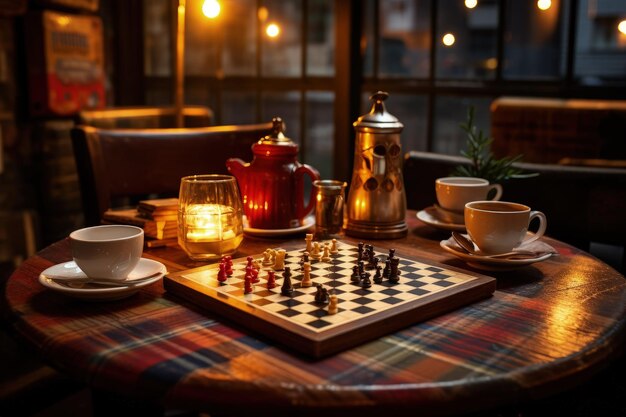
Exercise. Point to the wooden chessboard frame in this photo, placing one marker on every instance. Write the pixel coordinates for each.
(337, 338)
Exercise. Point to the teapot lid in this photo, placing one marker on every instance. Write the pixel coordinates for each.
(378, 117)
(277, 136)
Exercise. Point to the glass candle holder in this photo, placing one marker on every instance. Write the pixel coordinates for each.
(209, 216)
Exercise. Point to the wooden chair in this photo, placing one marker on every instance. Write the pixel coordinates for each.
(583, 204)
(114, 164)
(144, 117)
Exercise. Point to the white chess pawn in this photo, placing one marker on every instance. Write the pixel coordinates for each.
(279, 263)
(326, 255)
(332, 304)
(333, 247)
(306, 277)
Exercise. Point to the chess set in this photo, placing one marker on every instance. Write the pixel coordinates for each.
(321, 302)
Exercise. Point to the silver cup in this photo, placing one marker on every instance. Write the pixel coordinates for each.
(330, 197)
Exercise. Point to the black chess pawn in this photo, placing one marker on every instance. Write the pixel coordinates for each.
(287, 287)
(387, 269)
(372, 263)
(361, 267)
(365, 280)
(355, 277)
(394, 273)
(378, 277)
(392, 253)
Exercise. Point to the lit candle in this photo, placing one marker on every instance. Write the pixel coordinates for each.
(209, 222)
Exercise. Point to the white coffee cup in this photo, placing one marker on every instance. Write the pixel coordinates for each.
(110, 251)
(454, 192)
(501, 226)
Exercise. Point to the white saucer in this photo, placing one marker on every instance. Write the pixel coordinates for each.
(308, 223)
(491, 264)
(429, 216)
(144, 268)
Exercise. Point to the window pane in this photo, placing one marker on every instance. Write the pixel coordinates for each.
(238, 30)
(367, 42)
(157, 46)
(281, 54)
(239, 107)
(450, 112)
(535, 40)
(404, 38)
(466, 39)
(321, 38)
(320, 132)
(600, 46)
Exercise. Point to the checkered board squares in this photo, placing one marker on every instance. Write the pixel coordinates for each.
(358, 307)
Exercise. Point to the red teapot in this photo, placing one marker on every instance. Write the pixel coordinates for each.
(272, 185)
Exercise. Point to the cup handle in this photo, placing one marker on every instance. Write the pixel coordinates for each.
(498, 189)
(299, 174)
(543, 223)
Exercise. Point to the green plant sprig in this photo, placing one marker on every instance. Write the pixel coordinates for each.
(483, 163)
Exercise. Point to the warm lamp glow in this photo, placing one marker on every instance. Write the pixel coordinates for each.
(544, 4)
(470, 4)
(448, 39)
(272, 30)
(211, 8)
(622, 27)
(491, 63)
(209, 222)
(63, 20)
(263, 13)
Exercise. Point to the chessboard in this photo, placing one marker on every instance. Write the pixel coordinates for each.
(423, 290)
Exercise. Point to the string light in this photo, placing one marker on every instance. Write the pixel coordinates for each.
(211, 8)
(272, 30)
(448, 39)
(544, 4)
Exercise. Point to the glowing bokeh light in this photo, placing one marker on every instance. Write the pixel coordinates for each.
(622, 27)
(544, 4)
(470, 4)
(272, 30)
(211, 8)
(448, 39)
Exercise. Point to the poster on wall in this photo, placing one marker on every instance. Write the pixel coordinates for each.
(65, 63)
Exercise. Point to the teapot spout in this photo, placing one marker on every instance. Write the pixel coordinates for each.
(237, 167)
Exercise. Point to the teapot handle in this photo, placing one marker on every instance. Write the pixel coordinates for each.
(299, 173)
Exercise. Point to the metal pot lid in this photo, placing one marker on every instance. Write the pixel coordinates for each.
(378, 117)
(277, 137)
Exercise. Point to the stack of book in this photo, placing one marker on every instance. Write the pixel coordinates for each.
(157, 218)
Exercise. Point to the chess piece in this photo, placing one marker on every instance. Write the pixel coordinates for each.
(315, 252)
(359, 251)
(279, 263)
(321, 295)
(256, 264)
(387, 269)
(247, 289)
(333, 247)
(306, 275)
(378, 277)
(332, 305)
(309, 242)
(221, 274)
(271, 280)
(365, 280)
(394, 273)
(229, 266)
(286, 288)
(392, 253)
(267, 258)
(326, 255)
(355, 277)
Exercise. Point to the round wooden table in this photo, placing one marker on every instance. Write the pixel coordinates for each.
(547, 327)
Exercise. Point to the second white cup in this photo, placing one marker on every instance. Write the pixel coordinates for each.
(454, 192)
(501, 226)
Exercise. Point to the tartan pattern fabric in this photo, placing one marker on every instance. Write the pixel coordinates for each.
(160, 348)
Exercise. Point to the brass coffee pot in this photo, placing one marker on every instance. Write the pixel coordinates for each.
(377, 201)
